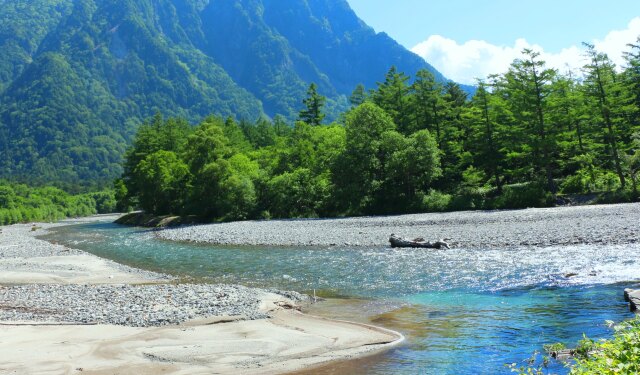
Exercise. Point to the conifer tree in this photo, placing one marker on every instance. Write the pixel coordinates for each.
(529, 86)
(393, 97)
(314, 102)
(358, 96)
(601, 85)
(428, 103)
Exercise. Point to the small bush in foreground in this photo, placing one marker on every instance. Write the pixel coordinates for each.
(620, 355)
(617, 356)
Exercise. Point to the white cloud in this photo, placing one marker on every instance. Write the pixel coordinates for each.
(616, 41)
(477, 58)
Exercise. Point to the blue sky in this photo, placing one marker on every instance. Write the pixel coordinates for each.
(467, 37)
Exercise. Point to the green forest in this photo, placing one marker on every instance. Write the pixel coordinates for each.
(530, 137)
(20, 203)
(77, 77)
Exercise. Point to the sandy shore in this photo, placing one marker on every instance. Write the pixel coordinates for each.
(286, 342)
(47, 328)
(25, 259)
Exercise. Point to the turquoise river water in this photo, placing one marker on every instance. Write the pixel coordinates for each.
(463, 311)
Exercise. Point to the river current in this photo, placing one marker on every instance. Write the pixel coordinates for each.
(463, 311)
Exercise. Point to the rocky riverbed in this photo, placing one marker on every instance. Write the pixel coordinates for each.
(112, 293)
(63, 309)
(603, 224)
(128, 305)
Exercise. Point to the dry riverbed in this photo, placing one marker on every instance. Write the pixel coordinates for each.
(63, 311)
(603, 224)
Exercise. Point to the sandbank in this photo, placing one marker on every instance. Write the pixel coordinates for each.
(287, 341)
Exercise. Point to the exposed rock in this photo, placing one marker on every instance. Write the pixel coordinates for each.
(633, 297)
(141, 219)
(563, 355)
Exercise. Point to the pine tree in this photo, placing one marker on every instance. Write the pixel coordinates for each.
(601, 85)
(358, 96)
(632, 77)
(529, 85)
(428, 103)
(486, 143)
(314, 102)
(393, 96)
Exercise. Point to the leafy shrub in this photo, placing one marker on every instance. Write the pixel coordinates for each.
(617, 356)
(620, 355)
(590, 180)
(585, 347)
(617, 196)
(434, 201)
(550, 348)
(105, 201)
(297, 194)
(577, 183)
(523, 196)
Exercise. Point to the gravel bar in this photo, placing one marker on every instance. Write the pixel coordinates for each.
(20, 242)
(157, 301)
(600, 224)
(128, 305)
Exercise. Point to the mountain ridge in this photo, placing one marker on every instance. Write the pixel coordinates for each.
(79, 76)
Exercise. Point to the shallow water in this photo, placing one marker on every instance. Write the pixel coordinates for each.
(463, 311)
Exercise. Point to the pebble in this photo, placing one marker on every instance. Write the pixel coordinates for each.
(20, 242)
(129, 305)
(540, 227)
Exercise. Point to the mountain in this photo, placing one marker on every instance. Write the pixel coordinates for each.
(78, 76)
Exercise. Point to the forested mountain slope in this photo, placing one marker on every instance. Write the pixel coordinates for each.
(78, 76)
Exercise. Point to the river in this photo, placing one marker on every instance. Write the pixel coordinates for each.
(463, 311)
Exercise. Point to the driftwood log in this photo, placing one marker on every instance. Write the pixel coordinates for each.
(396, 241)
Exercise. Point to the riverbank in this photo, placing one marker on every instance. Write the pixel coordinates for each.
(592, 225)
(66, 311)
(26, 259)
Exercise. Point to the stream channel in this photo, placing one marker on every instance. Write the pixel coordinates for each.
(462, 311)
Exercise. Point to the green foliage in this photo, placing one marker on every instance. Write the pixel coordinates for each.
(164, 181)
(549, 348)
(121, 196)
(358, 96)
(298, 194)
(620, 355)
(314, 102)
(360, 168)
(392, 96)
(435, 201)
(591, 180)
(405, 148)
(237, 197)
(524, 196)
(23, 27)
(617, 356)
(20, 203)
(105, 201)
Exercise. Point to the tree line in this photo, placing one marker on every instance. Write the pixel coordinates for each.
(21, 203)
(525, 138)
